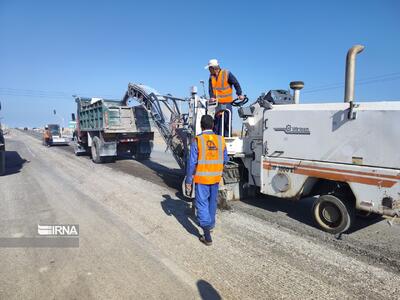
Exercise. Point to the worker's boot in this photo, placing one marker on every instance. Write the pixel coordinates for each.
(206, 238)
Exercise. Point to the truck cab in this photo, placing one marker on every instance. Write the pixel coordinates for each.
(56, 137)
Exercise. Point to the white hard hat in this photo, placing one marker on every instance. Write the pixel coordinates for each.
(212, 63)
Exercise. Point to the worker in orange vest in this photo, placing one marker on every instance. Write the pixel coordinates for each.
(208, 156)
(47, 136)
(220, 90)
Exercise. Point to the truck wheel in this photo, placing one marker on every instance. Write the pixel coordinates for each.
(95, 151)
(332, 214)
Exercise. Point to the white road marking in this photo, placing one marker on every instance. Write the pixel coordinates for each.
(29, 149)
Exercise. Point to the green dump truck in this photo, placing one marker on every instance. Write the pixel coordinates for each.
(107, 128)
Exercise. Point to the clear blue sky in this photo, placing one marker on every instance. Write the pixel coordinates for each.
(52, 49)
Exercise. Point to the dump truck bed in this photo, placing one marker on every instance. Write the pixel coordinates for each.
(110, 116)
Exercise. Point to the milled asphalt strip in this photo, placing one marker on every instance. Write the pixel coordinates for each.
(156, 173)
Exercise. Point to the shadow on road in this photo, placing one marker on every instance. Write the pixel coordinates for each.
(182, 212)
(170, 177)
(14, 162)
(301, 211)
(362, 222)
(207, 291)
(298, 210)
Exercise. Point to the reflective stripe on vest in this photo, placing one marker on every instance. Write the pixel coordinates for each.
(210, 163)
(221, 87)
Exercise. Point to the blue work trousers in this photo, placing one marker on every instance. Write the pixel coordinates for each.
(206, 204)
(227, 118)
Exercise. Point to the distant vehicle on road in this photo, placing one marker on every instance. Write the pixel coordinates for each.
(25, 128)
(56, 137)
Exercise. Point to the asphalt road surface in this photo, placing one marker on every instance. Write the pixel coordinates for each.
(137, 238)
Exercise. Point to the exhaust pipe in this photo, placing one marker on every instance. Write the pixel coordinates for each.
(351, 72)
(296, 86)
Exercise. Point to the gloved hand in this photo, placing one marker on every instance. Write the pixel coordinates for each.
(188, 189)
(212, 101)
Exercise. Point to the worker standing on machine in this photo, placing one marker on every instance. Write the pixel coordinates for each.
(220, 90)
(208, 155)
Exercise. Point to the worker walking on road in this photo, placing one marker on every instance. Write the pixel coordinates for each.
(206, 163)
(220, 90)
(47, 136)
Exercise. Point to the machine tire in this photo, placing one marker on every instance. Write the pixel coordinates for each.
(95, 151)
(332, 214)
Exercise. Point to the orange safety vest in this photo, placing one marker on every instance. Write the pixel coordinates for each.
(221, 88)
(210, 159)
(47, 134)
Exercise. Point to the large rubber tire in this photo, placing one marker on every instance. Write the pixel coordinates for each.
(332, 214)
(95, 151)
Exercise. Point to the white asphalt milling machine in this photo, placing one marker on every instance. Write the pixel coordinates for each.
(347, 154)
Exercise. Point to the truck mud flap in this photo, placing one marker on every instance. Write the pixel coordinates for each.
(144, 147)
(108, 149)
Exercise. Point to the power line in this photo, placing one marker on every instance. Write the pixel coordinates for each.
(374, 79)
(363, 79)
(63, 95)
(44, 94)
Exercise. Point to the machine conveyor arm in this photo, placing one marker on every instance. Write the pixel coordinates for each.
(167, 117)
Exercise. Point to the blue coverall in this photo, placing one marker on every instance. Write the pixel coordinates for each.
(206, 194)
(232, 81)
